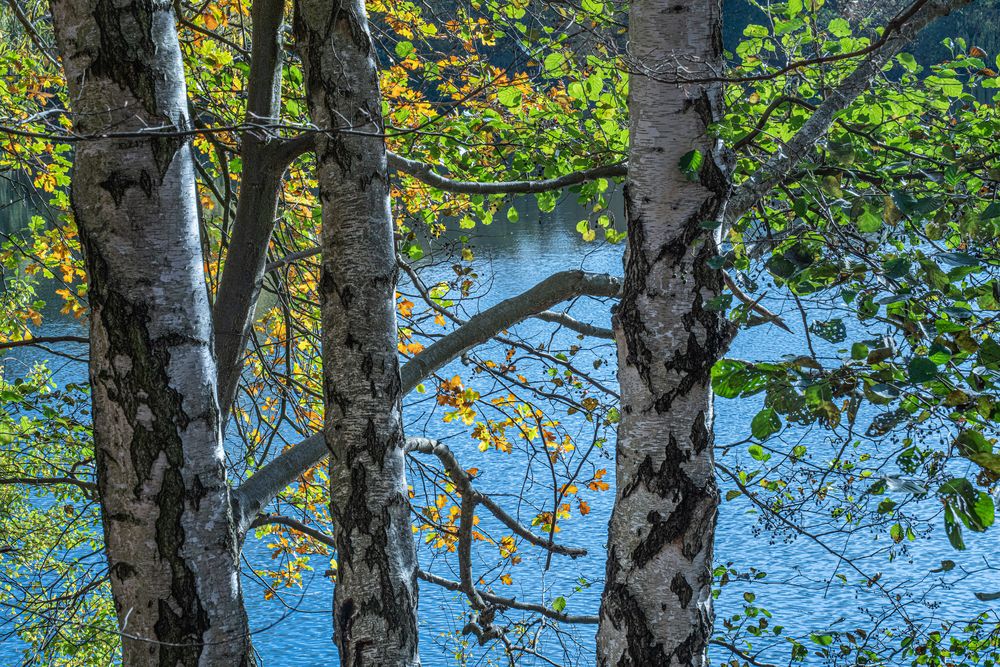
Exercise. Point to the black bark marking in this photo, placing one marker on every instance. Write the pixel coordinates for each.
(144, 394)
(627, 316)
(126, 40)
(695, 504)
(682, 589)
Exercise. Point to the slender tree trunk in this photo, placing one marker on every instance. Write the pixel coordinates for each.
(256, 209)
(657, 607)
(376, 592)
(168, 526)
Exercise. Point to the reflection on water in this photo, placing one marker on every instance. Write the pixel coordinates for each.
(798, 589)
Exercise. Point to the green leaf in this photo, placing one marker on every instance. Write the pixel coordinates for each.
(907, 61)
(765, 424)
(985, 510)
(730, 378)
(946, 566)
(554, 64)
(404, 49)
(868, 222)
(719, 303)
(959, 259)
(757, 453)
(973, 442)
(559, 604)
(991, 211)
(921, 369)
(840, 28)
(690, 164)
(911, 206)
(509, 97)
(953, 529)
(989, 354)
(833, 331)
(414, 251)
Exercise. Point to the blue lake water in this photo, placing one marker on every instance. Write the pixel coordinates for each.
(801, 589)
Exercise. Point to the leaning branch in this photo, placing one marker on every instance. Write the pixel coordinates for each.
(89, 487)
(482, 327)
(33, 35)
(570, 322)
(251, 497)
(777, 169)
(296, 525)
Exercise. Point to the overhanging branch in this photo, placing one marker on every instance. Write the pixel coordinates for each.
(426, 173)
(250, 498)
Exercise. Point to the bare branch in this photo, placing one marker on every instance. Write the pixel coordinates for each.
(742, 655)
(296, 525)
(426, 173)
(44, 340)
(290, 258)
(482, 327)
(753, 304)
(570, 322)
(464, 485)
(253, 495)
(89, 487)
(33, 35)
(509, 603)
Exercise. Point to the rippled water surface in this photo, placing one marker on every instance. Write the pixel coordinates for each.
(295, 629)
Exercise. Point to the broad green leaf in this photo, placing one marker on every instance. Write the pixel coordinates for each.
(765, 424)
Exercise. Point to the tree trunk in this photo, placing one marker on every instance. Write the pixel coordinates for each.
(168, 527)
(657, 607)
(256, 209)
(376, 592)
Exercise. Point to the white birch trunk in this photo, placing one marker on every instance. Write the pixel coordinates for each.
(168, 527)
(375, 598)
(657, 607)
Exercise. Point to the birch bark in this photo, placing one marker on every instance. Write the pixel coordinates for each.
(656, 608)
(160, 464)
(376, 592)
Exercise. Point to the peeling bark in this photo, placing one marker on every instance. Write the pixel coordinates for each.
(168, 527)
(375, 598)
(657, 608)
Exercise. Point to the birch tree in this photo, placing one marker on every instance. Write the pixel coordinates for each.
(161, 477)
(376, 593)
(662, 527)
(657, 604)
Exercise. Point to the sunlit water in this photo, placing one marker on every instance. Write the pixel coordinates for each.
(295, 628)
